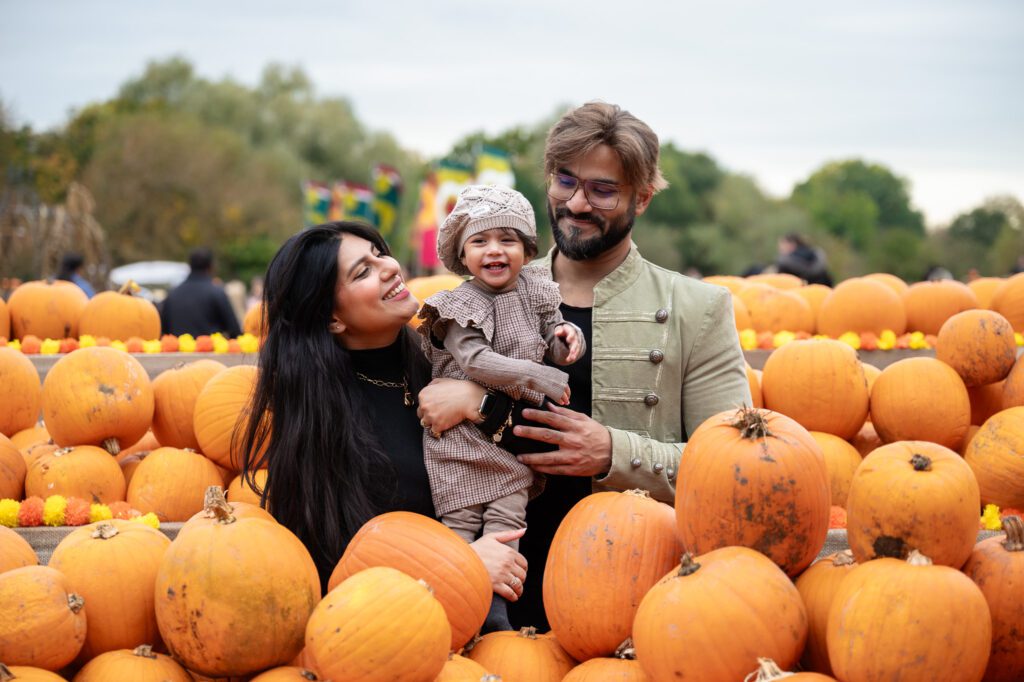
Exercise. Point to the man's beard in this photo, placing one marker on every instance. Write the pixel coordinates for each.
(610, 234)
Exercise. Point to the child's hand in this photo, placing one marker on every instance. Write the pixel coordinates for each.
(567, 334)
(564, 400)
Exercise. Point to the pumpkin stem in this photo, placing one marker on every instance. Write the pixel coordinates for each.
(767, 671)
(104, 531)
(75, 603)
(915, 558)
(423, 582)
(687, 566)
(843, 558)
(470, 644)
(130, 288)
(751, 423)
(626, 652)
(60, 452)
(112, 446)
(921, 463)
(1014, 528)
(144, 650)
(216, 506)
(308, 674)
(491, 678)
(529, 632)
(5, 673)
(637, 492)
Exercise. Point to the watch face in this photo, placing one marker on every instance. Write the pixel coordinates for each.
(487, 404)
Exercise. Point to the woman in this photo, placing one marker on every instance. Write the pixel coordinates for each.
(340, 372)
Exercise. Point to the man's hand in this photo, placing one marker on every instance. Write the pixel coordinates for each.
(584, 446)
(567, 334)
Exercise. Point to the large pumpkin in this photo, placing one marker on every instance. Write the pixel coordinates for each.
(423, 288)
(461, 669)
(241, 491)
(979, 345)
(930, 304)
(772, 309)
(379, 625)
(172, 483)
(21, 393)
(120, 315)
(921, 399)
(866, 439)
(754, 478)
(174, 401)
(606, 536)
(221, 415)
(731, 282)
(523, 656)
(5, 320)
(893, 616)
(12, 470)
(87, 472)
(42, 623)
(913, 495)
(252, 581)
(996, 455)
(622, 667)
(1013, 386)
(740, 314)
(769, 671)
(253, 322)
(140, 664)
(890, 280)
(22, 673)
(986, 400)
(997, 566)
(841, 460)
(861, 305)
(984, 289)
(818, 382)
(778, 280)
(815, 295)
(732, 601)
(112, 565)
(15, 552)
(33, 435)
(97, 396)
(754, 380)
(817, 587)
(46, 309)
(426, 550)
(1008, 301)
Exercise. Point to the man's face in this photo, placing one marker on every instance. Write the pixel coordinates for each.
(581, 231)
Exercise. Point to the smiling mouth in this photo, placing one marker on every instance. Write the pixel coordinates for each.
(398, 288)
(496, 267)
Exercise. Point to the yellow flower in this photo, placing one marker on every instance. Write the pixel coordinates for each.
(120, 345)
(887, 340)
(851, 339)
(220, 344)
(150, 519)
(9, 512)
(152, 346)
(99, 512)
(917, 341)
(86, 341)
(1019, 338)
(990, 518)
(53, 510)
(819, 337)
(250, 344)
(748, 340)
(14, 344)
(782, 338)
(49, 347)
(186, 343)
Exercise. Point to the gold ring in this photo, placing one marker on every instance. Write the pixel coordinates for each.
(435, 434)
(423, 423)
(515, 582)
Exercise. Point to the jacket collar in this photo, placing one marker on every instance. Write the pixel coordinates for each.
(614, 283)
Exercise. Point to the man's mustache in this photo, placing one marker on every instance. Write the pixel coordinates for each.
(563, 212)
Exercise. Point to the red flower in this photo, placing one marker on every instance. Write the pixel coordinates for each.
(169, 343)
(204, 344)
(31, 512)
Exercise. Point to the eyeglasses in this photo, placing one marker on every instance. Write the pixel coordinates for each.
(600, 195)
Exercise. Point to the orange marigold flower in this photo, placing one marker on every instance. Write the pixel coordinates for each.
(31, 512)
(77, 512)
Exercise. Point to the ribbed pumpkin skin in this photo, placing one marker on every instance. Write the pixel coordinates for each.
(39, 627)
(896, 505)
(996, 455)
(768, 493)
(889, 618)
(172, 483)
(379, 625)
(921, 399)
(119, 316)
(12, 470)
(21, 393)
(253, 584)
(240, 491)
(95, 394)
(125, 664)
(46, 309)
(522, 656)
(87, 472)
(604, 537)
(15, 552)
(607, 670)
(174, 401)
(817, 587)
(930, 304)
(738, 604)
(424, 549)
(815, 295)
(115, 576)
(984, 289)
(997, 567)
(819, 383)
(288, 673)
(23, 673)
(861, 305)
(979, 345)
(461, 669)
(221, 407)
(841, 460)
(775, 310)
(1008, 301)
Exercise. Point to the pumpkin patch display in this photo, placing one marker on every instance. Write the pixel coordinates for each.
(930, 304)
(42, 622)
(86, 471)
(523, 656)
(815, 295)
(979, 345)
(221, 415)
(21, 394)
(172, 483)
(15, 552)
(984, 289)
(120, 315)
(861, 305)
(921, 399)
(891, 616)
(379, 625)
(817, 587)
(774, 310)
(141, 664)
(175, 392)
(754, 478)
(996, 456)
(12, 470)
(46, 309)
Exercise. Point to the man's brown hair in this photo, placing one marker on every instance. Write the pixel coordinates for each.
(582, 129)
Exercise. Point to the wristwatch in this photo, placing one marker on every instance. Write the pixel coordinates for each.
(487, 405)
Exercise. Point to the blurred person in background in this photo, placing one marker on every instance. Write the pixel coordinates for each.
(71, 271)
(198, 306)
(797, 257)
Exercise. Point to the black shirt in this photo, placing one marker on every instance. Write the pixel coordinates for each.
(197, 306)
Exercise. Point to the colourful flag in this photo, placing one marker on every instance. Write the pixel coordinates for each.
(494, 167)
(351, 201)
(452, 177)
(316, 202)
(424, 232)
(387, 191)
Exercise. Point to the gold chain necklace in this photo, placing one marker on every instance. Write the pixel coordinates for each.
(403, 384)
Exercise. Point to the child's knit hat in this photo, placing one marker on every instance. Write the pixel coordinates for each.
(480, 208)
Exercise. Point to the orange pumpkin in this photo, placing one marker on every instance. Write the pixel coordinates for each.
(861, 305)
(984, 289)
(769, 671)
(112, 565)
(12, 470)
(921, 399)
(172, 483)
(21, 394)
(841, 460)
(997, 567)
(732, 601)
(46, 309)
(129, 465)
(890, 280)
(214, 500)
(779, 280)
(776, 310)
(754, 379)
(461, 669)
(15, 552)
(120, 315)
(731, 282)
(913, 495)
(622, 667)
(819, 383)
(605, 536)
(97, 396)
(815, 295)
(142, 446)
(174, 401)
(253, 322)
(138, 665)
(230, 569)
(894, 615)
(33, 434)
(222, 411)
(741, 316)
(426, 550)
(87, 472)
(23, 673)
(979, 345)
(5, 320)
(986, 400)
(379, 624)
(1013, 386)
(42, 622)
(523, 656)
(240, 491)
(866, 439)
(1007, 300)
(971, 433)
(930, 304)
(288, 673)
(754, 478)
(423, 288)
(817, 587)
(996, 455)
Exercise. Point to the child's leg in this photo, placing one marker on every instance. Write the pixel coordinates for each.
(466, 522)
(506, 513)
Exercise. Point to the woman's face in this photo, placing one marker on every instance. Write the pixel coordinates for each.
(371, 302)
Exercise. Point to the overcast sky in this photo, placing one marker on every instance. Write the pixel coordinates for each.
(932, 89)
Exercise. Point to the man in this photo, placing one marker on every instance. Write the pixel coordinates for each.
(662, 355)
(797, 257)
(198, 306)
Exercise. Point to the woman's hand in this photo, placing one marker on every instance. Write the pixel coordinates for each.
(443, 403)
(505, 566)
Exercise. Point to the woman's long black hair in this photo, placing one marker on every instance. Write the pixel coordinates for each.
(327, 472)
